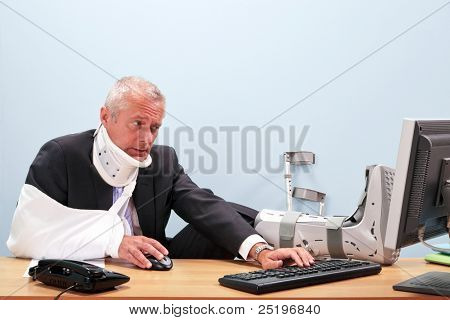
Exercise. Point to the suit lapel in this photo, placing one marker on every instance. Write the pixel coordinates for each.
(103, 191)
(159, 200)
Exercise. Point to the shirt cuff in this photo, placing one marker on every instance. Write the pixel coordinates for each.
(248, 244)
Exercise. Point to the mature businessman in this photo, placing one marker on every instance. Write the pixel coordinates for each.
(119, 163)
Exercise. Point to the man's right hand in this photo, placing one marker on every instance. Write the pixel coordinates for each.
(133, 248)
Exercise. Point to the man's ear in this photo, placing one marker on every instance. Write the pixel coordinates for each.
(105, 115)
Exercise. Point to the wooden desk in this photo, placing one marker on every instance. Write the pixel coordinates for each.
(197, 279)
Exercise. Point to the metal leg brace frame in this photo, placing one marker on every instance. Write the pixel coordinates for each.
(360, 236)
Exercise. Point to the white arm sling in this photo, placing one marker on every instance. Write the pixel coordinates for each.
(44, 228)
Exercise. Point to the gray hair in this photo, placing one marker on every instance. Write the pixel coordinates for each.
(132, 88)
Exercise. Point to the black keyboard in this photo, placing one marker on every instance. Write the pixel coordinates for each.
(264, 281)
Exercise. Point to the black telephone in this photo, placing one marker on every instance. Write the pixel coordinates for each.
(77, 275)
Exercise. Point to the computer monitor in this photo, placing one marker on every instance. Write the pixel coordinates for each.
(419, 208)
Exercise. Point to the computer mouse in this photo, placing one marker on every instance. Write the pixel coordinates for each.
(165, 264)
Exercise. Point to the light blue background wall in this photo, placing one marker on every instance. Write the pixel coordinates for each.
(228, 63)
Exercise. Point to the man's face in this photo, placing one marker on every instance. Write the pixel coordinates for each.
(134, 128)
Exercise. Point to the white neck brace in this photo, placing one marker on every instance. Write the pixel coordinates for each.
(114, 165)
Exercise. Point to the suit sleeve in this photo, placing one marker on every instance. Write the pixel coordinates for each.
(48, 172)
(209, 214)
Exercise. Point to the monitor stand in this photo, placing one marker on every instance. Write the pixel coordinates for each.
(444, 194)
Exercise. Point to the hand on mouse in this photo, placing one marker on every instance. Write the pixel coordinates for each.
(134, 248)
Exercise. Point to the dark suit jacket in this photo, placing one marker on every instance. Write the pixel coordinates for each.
(63, 170)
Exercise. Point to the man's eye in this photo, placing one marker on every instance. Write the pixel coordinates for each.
(137, 123)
